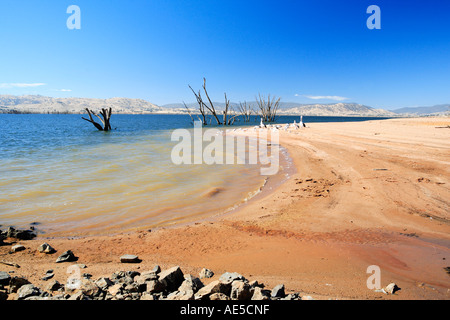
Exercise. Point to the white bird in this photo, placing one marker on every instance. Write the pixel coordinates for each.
(262, 125)
(295, 125)
(301, 122)
(286, 126)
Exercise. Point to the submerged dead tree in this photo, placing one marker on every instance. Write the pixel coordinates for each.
(245, 110)
(268, 108)
(106, 114)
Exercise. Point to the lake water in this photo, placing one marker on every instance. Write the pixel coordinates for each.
(72, 179)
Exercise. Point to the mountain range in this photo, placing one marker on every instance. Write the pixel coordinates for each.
(43, 104)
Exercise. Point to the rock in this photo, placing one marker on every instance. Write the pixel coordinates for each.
(154, 286)
(219, 296)
(241, 290)
(292, 296)
(206, 273)
(181, 295)
(191, 283)
(156, 269)
(260, 294)
(104, 283)
(255, 283)
(48, 276)
(4, 278)
(67, 256)
(147, 296)
(391, 288)
(145, 277)
(28, 290)
(88, 287)
(171, 278)
(77, 296)
(53, 286)
(213, 287)
(230, 277)
(17, 248)
(20, 234)
(16, 282)
(278, 291)
(129, 258)
(46, 248)
(115, 289)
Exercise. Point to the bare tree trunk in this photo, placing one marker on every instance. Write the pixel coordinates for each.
(106, 114)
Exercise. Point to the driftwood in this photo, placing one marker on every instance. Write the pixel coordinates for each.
(106, 114)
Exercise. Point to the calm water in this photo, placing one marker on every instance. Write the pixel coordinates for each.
(60, 171)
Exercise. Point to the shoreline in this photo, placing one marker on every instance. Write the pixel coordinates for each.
(316, 242)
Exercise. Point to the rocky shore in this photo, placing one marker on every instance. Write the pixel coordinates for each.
(155, 284)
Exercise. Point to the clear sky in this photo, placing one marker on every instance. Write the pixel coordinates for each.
(303, 51)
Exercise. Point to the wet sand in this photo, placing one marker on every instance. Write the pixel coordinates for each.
(365, 193)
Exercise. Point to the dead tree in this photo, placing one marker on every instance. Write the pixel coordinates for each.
(228, 110)
(245, 111)
(106, 114)
(268, 108)
(203, 106)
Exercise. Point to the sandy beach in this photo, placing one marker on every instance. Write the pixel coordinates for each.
(364, 193)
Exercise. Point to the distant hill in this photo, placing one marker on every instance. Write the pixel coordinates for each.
(432, 110)
(41, 104)
(292, 108)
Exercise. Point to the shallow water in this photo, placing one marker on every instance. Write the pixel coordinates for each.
(60, 171)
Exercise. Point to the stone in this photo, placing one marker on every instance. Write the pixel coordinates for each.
(115, 289)
(4, 278)
(191, 283)
(77, 296)
(230, 277)
(129, 258)
(171, 278)
(219, 296)
(104, 283)
(88, 287)
(241, 290)
(20, 234)
(260, 294)
(154, 286)
(181, 295)
(278, 291)
(213, 287)
(391, 288)
(206, 273)
(255, 283)
(144, 277)
(67, 256)
(53, 286)
(48, 276)
(28, 290)
(16, 282)
(46, 248)
(147, 296)
(292, 296)
(17, 248)
(156, 269)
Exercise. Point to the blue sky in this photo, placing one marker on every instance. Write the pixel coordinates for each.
(302, 51)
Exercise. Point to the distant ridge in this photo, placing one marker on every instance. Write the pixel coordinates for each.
(43, 104)
(440, 109)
